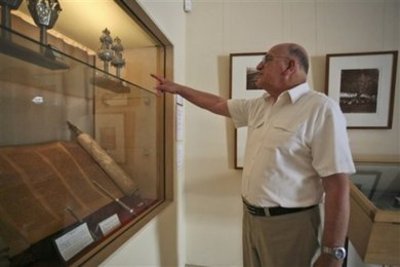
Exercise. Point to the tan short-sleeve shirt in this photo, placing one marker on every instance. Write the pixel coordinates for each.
(290, 145)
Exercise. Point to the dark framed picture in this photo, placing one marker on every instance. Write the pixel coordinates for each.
(364, 86)
(242, 85)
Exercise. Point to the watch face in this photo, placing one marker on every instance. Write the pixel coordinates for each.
(340, 253)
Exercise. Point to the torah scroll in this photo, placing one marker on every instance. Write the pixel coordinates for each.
(116, 173)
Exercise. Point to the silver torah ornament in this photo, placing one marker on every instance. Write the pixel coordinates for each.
(105, 52)
(45, 14)
(6, 6)
(117, 61)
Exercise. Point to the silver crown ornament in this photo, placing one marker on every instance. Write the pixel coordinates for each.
(45, 14)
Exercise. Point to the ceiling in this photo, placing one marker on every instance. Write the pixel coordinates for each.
(84, 21)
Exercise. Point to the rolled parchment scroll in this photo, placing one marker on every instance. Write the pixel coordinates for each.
(116, 173)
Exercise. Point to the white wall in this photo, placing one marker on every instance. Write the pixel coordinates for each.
(209, 195)
(217, 28)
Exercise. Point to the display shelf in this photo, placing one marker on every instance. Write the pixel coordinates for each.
(30, 51)
(45, 251)
(46, 59)
(112, 84)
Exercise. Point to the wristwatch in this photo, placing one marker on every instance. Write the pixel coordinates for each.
(338, 253)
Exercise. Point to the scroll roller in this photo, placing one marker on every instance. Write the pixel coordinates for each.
(114, 171)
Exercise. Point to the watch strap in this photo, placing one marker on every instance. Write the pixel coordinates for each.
(338, 253)
(327, 250)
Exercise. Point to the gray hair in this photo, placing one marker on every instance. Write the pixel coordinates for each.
(299, 53)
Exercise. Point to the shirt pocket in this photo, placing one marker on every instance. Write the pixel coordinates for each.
(256, 124)
(255, 129)
(284, 136)
(255, 136)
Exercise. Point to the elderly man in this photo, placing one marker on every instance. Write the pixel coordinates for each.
(297, 156)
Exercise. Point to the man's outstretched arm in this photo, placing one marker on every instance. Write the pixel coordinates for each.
(210, 102)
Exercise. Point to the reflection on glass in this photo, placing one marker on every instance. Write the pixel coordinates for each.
(380, 182)
(80, 153)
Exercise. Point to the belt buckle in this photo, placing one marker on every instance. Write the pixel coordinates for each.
(266, 212)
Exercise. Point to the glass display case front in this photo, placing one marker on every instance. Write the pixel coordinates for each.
(82, 138)
(374, 227)
(380, 183)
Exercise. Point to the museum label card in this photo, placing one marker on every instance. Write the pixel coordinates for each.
(109, 224)
(74, 241)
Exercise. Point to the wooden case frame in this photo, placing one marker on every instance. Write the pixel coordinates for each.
(97, 254)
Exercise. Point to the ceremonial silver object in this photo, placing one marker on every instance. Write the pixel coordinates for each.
(105, 52)
(117, 61)
(45, 14)
(6, 6)
(122, 204)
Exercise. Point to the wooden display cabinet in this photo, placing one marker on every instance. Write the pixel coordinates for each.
(85, 152)
(374, 228)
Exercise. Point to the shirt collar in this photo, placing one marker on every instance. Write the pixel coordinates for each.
(298, 91)
(294, 93)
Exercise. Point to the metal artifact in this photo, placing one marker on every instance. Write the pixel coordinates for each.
(105, 52)
(45, 14)
(6, 6)
(122, 204)
(117, 61)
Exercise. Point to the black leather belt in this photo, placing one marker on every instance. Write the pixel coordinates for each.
(274, 211)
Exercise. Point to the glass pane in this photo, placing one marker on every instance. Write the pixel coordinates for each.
(81, 149)
(380, 183)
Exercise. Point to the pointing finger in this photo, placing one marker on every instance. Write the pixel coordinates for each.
(159, 79)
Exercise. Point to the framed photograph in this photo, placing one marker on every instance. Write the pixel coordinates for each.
(242, 84)
(363, 84)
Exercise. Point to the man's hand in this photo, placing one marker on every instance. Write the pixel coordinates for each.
(165, 85)
(210, 102)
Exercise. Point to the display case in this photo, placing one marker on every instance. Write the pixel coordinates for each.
(374, 228)
(85, 143)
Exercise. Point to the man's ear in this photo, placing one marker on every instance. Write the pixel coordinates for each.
(291, 65)
(290, 68)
